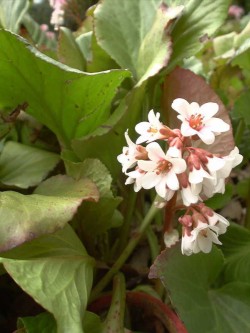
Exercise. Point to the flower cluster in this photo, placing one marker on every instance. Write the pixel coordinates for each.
(57, 16)
(182, 167)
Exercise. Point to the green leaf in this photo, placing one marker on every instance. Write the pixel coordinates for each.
(241, 107)
(92, 323)
(24, 217)
(25, 166)
(125, 116)
(236, 247)
(94, 223)
(100, 60)
(84, 43)
(71, 103)
(59, 279)
(39, 37)
(68, 51)
(11, 13)
(190, 282)
(232, 306)
(134, 35)
(199, 18)
(43, 323)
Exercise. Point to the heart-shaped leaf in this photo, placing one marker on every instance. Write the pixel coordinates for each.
(71, 103)
(191, 282)
(54, 203)
(57, 272)
(24, 166)
(139, 41)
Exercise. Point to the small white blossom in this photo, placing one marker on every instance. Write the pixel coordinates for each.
(150, 131)
(131, 154)
(171, 237)
(161, 170)
(187, 244)
(199, 120)
(201, 239)
(135, 177)
(188, 196)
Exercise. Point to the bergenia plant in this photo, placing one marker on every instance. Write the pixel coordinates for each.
(179, 168)
(149, 233)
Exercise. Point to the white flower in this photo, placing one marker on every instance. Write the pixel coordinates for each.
(131, 154)
(188, 196)
(201, 239)
(231, 161)
(199, 120)
(170, 238)
(161, 171)
(219, 221)
(187, 242)
(216, 184)
(135, 177)
(150, 131)
(204, 236)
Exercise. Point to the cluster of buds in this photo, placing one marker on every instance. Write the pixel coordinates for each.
(194, 173)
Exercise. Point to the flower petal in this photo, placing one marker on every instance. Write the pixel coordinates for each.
(217, 125)
(206, 135)
(208, 110)
(172, 180)
(155, 153)
(181, 106)
(179, 165)
(146, 165)
(149, 180)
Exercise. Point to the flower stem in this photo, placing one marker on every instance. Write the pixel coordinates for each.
(169, 213)
(125, 254)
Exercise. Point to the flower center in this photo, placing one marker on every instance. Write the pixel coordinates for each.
(163, 166)
(195, 121)
(152, 130)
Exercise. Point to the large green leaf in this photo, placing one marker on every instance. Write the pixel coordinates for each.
(71, 103)
(199, 18)
(68, 51)
(11, 13)
(43, 323)
(236, 247)
(24, 217)
(133, 34)
(191, 283)
(59, 276)
(125, 116)
(24, 166)
(241, 107)
(93, 223)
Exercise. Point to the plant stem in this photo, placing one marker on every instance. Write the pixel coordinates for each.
(125, 254)
(127, 220)
(169, 213)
